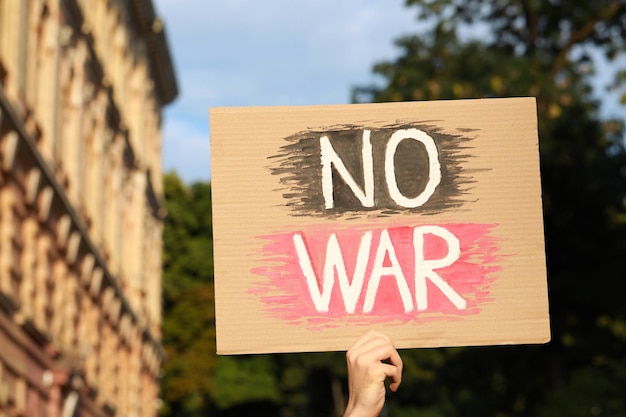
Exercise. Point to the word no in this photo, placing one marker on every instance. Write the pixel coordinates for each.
(330, 159)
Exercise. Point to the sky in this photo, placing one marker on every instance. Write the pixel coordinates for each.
(274, 52)
(265, 53)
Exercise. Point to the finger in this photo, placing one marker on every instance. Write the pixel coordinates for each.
(395, 384)
(395, 373)
(396, 361)
(393, 369)
(368, 353)
(369, 336)
(370, 341)
(392, 372)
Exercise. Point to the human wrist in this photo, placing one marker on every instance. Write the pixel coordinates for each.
(353, 410)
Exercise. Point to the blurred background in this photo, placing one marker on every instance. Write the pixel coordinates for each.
(570, 55)
(104, 161)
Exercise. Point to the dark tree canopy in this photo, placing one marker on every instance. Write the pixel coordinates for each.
(550, 50)
(196, 382)
(188, 313)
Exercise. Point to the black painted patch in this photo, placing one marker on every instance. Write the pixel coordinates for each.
(299, 170)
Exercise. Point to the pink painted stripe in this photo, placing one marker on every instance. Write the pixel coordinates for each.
(284, 294)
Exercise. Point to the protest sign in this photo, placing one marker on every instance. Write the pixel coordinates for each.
(421, 219)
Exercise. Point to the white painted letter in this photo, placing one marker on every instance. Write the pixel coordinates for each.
(386, 247)
(334, 263)
(425, 268)
(329, 158)
(434, 168)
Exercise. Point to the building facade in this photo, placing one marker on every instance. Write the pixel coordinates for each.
(83, 84)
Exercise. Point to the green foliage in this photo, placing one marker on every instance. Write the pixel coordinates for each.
(188, 305)
(504, 48)
(198, 382)
(249, 380)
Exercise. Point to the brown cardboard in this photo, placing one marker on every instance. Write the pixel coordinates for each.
(443, 245)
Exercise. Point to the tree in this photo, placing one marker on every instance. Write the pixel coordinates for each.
(196, 381)
(188, 306)
(546, 49)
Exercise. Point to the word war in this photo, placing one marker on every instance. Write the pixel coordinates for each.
(424, 269)
(402, 270)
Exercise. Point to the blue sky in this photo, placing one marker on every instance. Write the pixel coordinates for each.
(271, 52)
(274, 52)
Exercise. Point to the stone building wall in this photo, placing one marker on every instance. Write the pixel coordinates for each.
(83, 84)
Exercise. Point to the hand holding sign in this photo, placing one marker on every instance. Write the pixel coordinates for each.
(367, 374)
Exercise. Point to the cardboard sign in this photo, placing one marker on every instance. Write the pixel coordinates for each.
(420, 219)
